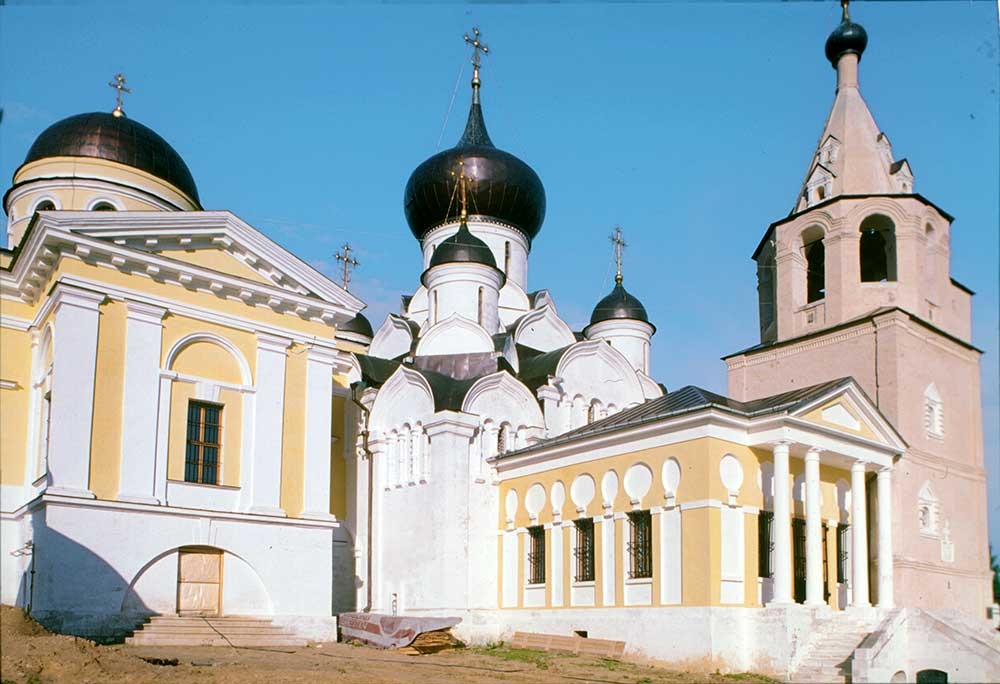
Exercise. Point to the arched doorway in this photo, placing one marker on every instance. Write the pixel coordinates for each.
(199, 580)
(932, 677)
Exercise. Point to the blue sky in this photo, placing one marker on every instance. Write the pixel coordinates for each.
(690, 125)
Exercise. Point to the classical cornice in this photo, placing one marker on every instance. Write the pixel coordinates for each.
(105, 243)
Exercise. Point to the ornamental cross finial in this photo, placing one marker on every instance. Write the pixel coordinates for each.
(462, 197)
(477, 47)
(843, 7)
(620, 245)
(349, 263)
(119, 85)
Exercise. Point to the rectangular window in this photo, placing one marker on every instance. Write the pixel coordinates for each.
(536, 555)
(640, 544)
(584, 551)
(842, 553)
(765, 543)
(204, 435)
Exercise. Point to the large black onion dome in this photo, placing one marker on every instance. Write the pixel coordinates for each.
(463, 247)
(118, 139)
(848, 37)
(359, 325)
(619, 305)
(501, 187)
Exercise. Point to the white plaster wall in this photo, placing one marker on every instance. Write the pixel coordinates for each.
(14, 569)
(493, 235)
(631, 338)
(454, 289)
(89, 555)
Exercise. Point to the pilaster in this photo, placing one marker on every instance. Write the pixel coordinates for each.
(265, 466)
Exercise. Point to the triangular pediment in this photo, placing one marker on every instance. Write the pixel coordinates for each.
(221, 242)
(848, 410)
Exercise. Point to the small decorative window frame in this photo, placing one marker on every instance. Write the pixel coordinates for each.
(933, 413)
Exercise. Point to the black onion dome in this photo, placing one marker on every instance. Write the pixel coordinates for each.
(118, 139)
(502, 186)
(848, 37)
(619, 305)
(463, 247)
(359, 325)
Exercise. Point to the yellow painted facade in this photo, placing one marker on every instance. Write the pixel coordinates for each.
(203, 361)
(15, 369)
(109, 388)
(701, 493)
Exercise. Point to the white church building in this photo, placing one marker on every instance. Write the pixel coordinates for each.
(171, 377)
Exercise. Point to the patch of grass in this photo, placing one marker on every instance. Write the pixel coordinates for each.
(748, 677)
(539, 659)
(610, 664)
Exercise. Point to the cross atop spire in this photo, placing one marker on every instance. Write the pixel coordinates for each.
(620, 245)
(845, 10)
(477, 47)
(349, 263)
(119, 85)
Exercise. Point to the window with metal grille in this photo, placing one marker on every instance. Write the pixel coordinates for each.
(765, 543)
(204, 435)
(536, 555)
(584, 550)
(640, 544)
(842, 553)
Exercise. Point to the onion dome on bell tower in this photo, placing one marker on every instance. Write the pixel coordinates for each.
(502, 189)
(621, 319)
(847, 38)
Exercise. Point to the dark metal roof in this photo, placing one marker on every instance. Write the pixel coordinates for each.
(846, 38)
(358, 325)
(689, 399)
(463, 247)
(619, 304)
(118, 139)
(375, 371)
(458, 366)
(536, 369)
(503, 187)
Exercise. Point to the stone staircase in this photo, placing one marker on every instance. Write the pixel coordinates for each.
(240, 632)
(829, 652)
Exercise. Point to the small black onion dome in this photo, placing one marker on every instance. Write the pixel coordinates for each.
(619, 305)
(848, 37)
(502, 186)
(359, 325)
(463, 247)
(115, 138)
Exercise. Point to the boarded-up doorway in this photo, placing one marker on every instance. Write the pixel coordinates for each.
(199, 581)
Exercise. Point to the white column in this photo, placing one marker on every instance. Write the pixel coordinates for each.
(74, 364)
(269, 407)
(884, 484)
(556, 538)
(859, 535)
(608, 577)
(814, 532)
(782, 526)
(318, 433)
(143, 335)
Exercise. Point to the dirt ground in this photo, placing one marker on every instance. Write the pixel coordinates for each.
(31, 655)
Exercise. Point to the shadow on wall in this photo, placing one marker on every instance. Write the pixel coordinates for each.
(73, 590)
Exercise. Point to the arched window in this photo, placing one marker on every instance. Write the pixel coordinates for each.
(480, 306)
(434, 317)
(104, 206)
(933, 411)
(45, 205)
(815, 271)
(821, 193)
(506, 257)
(878, 249)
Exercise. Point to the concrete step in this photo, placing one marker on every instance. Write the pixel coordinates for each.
(210, 629)
(242, 631)
(198, 640)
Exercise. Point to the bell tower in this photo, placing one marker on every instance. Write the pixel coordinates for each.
(855, 282)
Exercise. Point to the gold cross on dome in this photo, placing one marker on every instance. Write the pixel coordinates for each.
(119, 85)
(620, 245)
(349, 263)
(477, 47)
(843, 7)
(462, 196)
